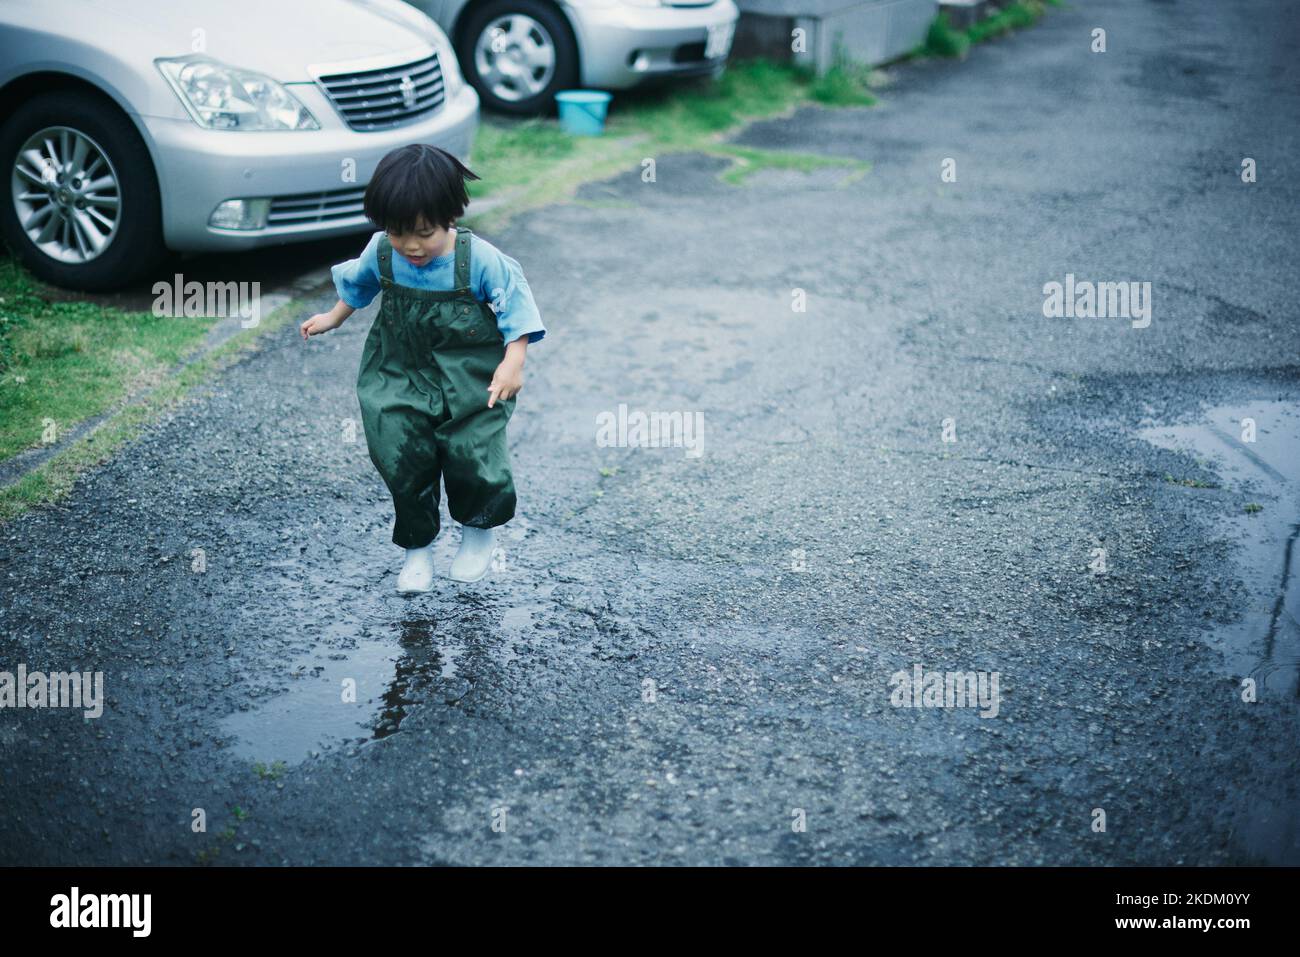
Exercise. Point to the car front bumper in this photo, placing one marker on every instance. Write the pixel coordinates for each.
(624, 47)
(315, 179)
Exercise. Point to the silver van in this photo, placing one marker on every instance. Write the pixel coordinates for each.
(518, 53)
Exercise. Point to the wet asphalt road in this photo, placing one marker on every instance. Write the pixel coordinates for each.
(762, 593)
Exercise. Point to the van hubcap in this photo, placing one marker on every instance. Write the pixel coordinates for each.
(515, 57)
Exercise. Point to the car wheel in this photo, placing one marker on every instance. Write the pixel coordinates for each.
(517, 54)
(82, 208)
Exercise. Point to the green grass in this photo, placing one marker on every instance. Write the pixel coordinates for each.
(55, 478)
(222, 839)
(269, 772)
(1014, 16)
(844, 84)
(498, 148)
(747, 160)
(1189, 482)
(65, 362)
(748, 90)
(533, 163)
(945, 40)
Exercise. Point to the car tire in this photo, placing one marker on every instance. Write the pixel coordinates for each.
(135, 242)
(554, 29)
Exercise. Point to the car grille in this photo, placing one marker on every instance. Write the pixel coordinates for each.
(304, 208)
(380, 99)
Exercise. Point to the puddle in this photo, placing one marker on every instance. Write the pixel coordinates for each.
(1265, 642)
(393, 675)
(312, 713)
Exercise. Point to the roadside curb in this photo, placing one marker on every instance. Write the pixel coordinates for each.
(225, 341)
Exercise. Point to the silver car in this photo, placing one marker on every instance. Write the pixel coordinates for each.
(518, 53)
(133, 126)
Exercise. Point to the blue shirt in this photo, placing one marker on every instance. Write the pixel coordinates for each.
(494, 278)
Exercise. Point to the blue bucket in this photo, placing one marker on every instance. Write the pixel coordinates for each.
(582, 112)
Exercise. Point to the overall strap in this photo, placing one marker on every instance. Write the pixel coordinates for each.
(462, 258)
(385, 258)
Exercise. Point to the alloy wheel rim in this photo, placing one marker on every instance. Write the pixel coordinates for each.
(67, 194)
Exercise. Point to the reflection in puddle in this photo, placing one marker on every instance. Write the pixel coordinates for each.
(350, 697)
(417, 670)
(1265, 642)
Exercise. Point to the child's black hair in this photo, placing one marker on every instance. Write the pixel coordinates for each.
(414, 181)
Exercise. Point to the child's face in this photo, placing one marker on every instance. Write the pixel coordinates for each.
(422, 244)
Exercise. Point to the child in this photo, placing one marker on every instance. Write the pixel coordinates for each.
(440, 370)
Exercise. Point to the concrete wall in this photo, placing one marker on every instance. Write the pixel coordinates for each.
(868, 31)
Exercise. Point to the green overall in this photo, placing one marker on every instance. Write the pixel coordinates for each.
(423, 389)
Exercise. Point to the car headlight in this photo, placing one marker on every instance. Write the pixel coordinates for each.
(222, 97)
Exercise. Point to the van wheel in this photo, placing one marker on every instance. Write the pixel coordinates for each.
(517, 54)
(82, 208)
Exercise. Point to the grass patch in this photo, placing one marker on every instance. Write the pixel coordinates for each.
(844, 84)
(533, 163)
(226, 838)
(64, 362)
(55, 478)
(1014, 16)
(1190, 482)
(945, 40)
(747, 160)
(497, 150)
(269, 772)
(748, 90)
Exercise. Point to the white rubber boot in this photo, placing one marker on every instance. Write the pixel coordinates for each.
(417, 571)
(474, 558)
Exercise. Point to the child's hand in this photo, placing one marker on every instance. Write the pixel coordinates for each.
(506, 381)
(321, 322)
